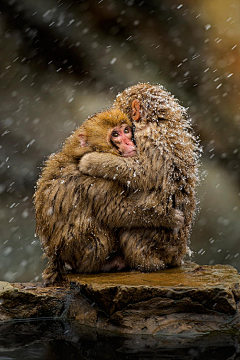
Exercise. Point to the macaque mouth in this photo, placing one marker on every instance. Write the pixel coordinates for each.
(130, 153)
(123, 152)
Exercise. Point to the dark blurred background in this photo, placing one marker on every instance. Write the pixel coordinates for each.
(62, 60)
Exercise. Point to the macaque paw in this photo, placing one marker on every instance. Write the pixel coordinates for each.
(86, 164)
(176, 220)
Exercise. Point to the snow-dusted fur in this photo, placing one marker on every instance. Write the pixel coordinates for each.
(69, 234)
(165, 170)
(129, 206)
(168, 154)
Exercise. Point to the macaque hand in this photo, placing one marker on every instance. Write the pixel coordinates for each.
(176, 220)
(88, 163)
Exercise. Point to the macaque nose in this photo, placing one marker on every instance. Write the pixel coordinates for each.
(130, 144)
(127, 141)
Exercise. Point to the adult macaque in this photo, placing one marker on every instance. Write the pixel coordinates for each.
(161, 180)
(64, 220)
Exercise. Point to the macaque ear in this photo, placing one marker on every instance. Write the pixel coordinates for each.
(83, 139)
(135, 110)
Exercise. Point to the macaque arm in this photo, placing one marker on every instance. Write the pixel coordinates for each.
(145, 211)
(130, 171)
(116, 207)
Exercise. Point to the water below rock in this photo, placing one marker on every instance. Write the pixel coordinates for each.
(60, 340)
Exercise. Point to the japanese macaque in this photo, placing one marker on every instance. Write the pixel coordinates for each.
(70, 238)
(108, 131)
(156, 185)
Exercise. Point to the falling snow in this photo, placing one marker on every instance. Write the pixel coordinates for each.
(62, 63)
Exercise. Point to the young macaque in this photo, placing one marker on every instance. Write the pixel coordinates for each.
(161, 180)
(109, 131)
(65, 221)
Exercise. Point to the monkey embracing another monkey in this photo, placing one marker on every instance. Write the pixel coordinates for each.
(140, 207)
(161, 180)
(70, 237)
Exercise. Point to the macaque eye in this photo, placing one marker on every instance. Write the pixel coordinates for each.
(126, 130)
(115, 134)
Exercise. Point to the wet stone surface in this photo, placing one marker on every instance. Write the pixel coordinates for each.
(191, 299)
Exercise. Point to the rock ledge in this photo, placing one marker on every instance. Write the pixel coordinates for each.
(188, 300)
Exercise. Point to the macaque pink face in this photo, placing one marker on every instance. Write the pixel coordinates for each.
(121, 137)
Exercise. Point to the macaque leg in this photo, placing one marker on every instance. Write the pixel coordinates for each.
(92, 256)
(148, 249)
(87, 254)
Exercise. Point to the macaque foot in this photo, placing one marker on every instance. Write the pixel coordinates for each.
(151, 265)
(115, 264)
(51, 277)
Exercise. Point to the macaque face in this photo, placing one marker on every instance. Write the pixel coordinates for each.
(121, 138)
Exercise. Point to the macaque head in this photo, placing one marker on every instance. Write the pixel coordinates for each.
(108, 131)
(121, 137)
(146, 103)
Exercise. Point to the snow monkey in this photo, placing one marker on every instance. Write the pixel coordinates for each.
(160, 180)
(64, 224)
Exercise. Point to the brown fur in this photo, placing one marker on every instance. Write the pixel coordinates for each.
(160, 182)
(64, 219)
